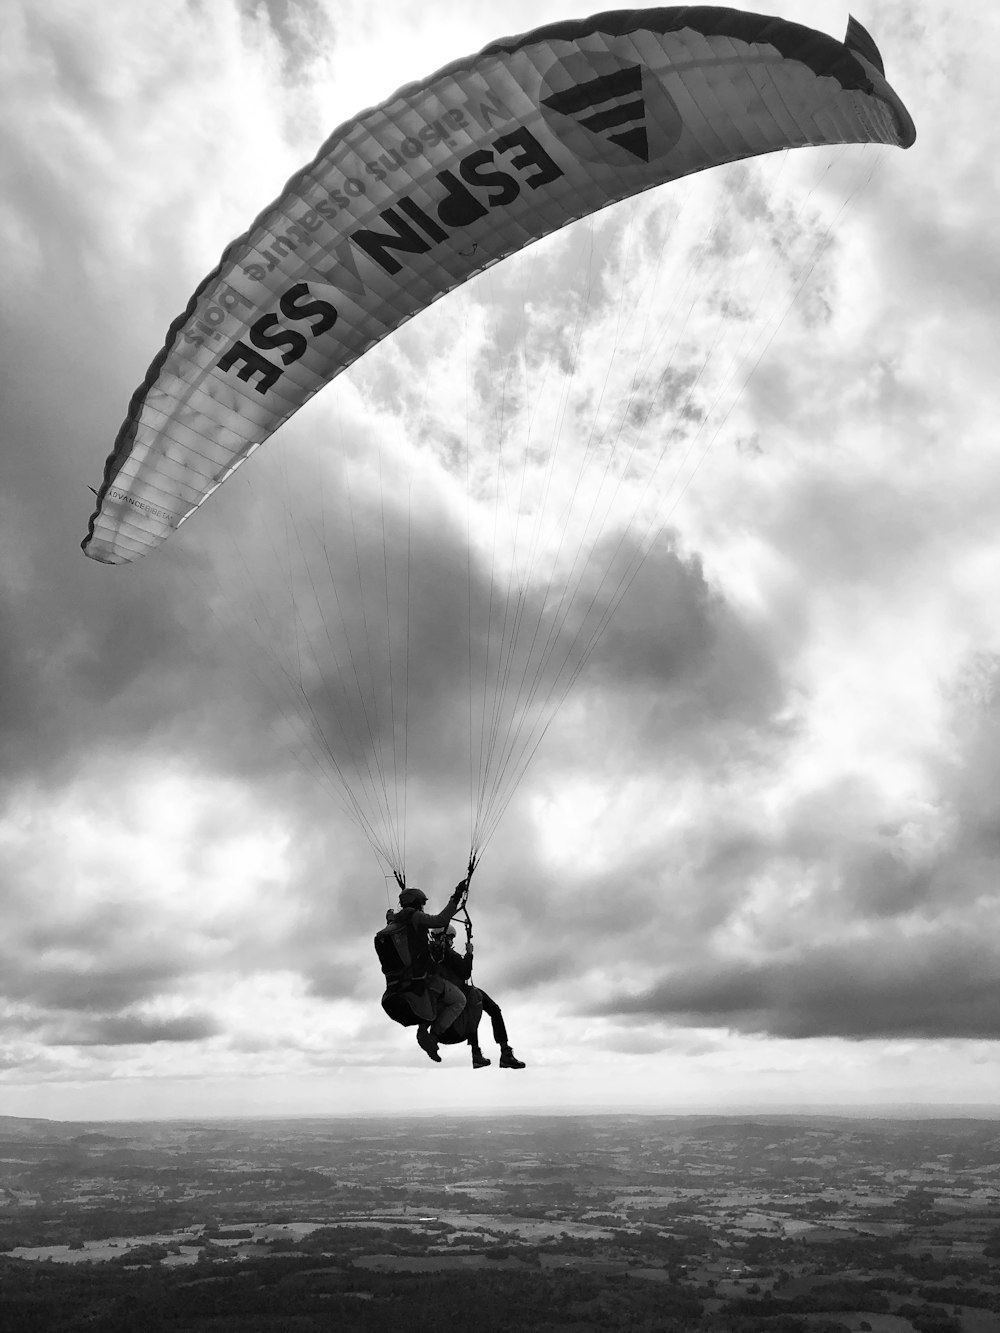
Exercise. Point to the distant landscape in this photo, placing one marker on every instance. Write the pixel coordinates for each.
(650, 1224)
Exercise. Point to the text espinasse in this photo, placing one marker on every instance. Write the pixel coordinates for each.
(486, 178)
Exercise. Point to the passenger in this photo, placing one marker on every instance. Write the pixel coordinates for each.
(456, 969)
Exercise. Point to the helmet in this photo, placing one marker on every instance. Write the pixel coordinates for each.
(443, 933)
(412, 898)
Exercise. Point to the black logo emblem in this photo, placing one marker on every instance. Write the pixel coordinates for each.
(612, 105)
(609, 110)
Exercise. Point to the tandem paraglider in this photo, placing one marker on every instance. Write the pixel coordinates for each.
(429, 984)
(403, 204)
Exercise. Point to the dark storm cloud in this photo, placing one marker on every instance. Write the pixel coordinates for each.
(94, 659)
(909, 929)
(88, 659)
(862, 989)
(60, 955)
(69, 983)
(132, 1030)
(93, 983)
(374, 638)
(578, 926)
(672, 628)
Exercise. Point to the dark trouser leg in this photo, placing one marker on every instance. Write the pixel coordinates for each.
(491, 1008)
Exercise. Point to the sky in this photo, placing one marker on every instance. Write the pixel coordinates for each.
(754, 860)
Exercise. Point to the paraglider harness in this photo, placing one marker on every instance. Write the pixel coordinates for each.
(405, 957)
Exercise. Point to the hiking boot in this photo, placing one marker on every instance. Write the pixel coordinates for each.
(479, 1061)
(508, 1060)
(427, 1041)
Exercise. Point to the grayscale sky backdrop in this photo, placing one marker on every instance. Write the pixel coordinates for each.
(755, 860)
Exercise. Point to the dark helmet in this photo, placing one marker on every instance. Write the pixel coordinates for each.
(412, 898)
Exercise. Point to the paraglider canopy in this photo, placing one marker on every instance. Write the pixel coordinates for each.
(450, 175)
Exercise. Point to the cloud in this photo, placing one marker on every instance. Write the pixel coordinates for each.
(134, 1030)
(767, 804)
(890, 986)
(92, 984)
(841, 920)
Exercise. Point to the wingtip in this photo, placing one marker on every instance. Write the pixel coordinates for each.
(860, 40)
